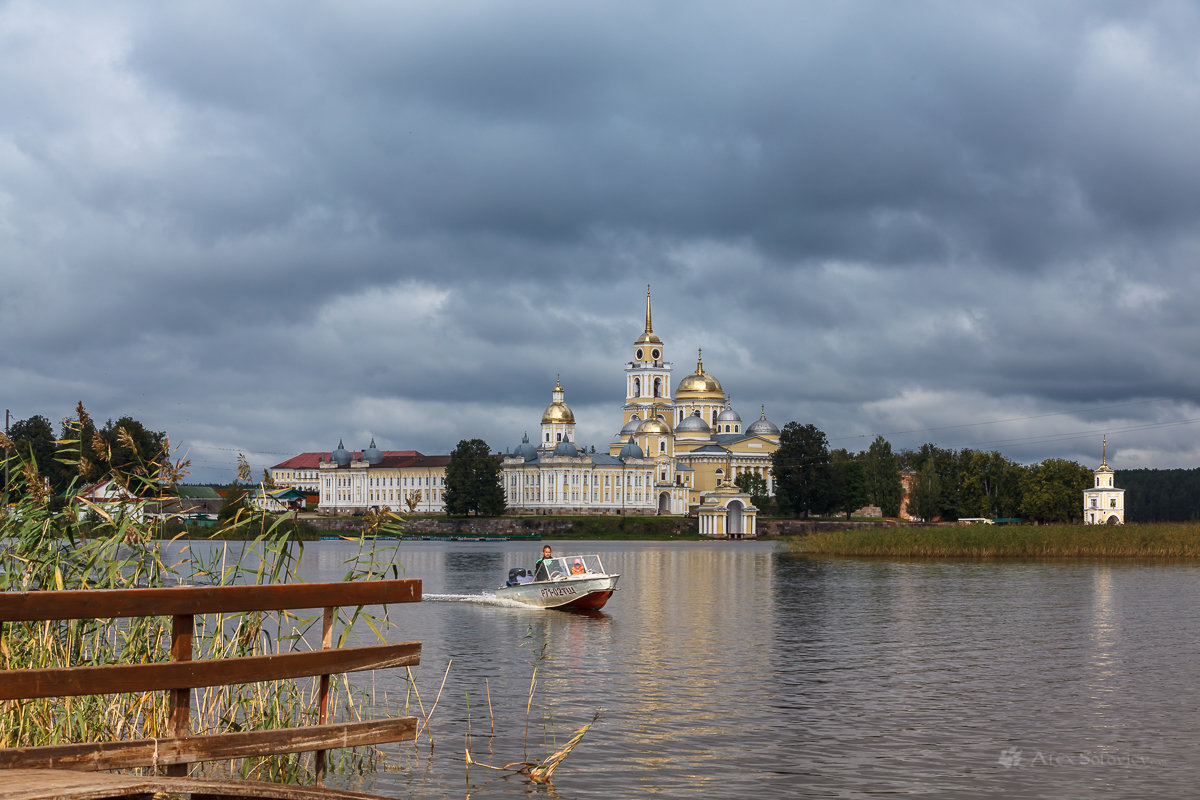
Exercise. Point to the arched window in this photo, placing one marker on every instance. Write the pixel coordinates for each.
(662, 445)
(658, 387)
(714, 422)
(637, 387)
(558, 437)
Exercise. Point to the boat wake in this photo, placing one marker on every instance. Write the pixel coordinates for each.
(484, 599)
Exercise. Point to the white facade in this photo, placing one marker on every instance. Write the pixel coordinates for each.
(677, 446)
(1103, 503)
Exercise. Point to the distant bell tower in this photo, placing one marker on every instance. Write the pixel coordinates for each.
(558, 421)
(648, 376)
(1103, 504)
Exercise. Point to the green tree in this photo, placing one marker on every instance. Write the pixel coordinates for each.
(801, 468)
(34, 441)
(130, 444)
(754, 485)
(981, 479)
(848, 478)
(1053, 491)
(881, 474)
(473, 481)
(926, 497)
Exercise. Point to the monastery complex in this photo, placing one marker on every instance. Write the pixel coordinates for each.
(678, 451)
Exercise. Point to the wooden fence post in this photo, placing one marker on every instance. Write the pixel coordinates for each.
(323, 692)
(179, 706)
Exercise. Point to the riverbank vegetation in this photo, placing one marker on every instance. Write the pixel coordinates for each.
(1153, 540)
(115, 542)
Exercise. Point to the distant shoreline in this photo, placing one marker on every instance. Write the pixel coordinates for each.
(1179, 540)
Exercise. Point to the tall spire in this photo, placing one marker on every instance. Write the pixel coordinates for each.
(649, 327)
(1104, 452)
(648, 336)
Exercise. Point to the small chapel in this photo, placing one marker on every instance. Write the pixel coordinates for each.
(1103, 503)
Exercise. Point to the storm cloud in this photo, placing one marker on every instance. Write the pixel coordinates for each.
(267, 227)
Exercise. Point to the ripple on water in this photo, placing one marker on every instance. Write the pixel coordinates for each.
(733, 670)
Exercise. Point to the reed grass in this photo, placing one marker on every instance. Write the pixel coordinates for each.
(1150, 540)
(43, 546)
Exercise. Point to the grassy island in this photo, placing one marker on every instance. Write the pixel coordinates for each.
(1158, 540)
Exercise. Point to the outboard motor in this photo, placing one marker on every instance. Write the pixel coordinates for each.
(518, 575)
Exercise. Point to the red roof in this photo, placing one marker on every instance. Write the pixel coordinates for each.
(391, 458)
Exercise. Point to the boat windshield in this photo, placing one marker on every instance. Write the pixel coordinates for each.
(563, 567)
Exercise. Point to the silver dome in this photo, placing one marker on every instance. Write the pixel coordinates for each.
(693, 424)
(373, 455)
(631, 450)
(565, 448)
(525, 450)
(341, 456)
(763, 426)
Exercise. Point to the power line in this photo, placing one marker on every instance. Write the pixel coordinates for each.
(1083, 434)
(1075, 412)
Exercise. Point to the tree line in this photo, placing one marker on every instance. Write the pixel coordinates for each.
(81, 450)
(946, 484)
(1161, 495)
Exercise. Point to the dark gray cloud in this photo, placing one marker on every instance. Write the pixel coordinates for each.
(264, 228)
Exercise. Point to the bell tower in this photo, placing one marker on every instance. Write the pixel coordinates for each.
(648, 376)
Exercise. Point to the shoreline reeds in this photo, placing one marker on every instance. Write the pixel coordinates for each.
(1134, 541)
(45, 544)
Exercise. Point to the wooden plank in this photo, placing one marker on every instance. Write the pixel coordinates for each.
(118, 678)
(47, 784)
(212, 747)
(202, 788)
(104, 603)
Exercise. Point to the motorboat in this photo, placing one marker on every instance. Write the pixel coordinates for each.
(566, 582)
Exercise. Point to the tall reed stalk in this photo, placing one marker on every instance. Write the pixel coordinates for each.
(44, 546)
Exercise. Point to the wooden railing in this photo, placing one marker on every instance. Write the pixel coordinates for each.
(179, 676)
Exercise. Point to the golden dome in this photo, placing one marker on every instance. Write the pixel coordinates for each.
(654, 426)
(699, 385)
(558, 412)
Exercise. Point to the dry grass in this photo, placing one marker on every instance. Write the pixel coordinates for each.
(1159, 540)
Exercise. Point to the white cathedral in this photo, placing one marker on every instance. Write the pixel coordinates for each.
(676, 453)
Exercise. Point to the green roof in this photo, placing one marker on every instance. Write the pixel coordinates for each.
(198, 492)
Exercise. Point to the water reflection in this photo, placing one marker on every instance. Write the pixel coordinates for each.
(733, 669)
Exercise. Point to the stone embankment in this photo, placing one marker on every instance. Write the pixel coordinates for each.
(430, 526)
(548, 527)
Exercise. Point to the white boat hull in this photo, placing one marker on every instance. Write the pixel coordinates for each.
(583, 592)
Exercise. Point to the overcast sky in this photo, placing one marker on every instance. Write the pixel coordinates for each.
(264, 227)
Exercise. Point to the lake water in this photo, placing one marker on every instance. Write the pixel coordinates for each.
(734, 669)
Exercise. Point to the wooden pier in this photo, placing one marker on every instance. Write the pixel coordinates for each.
(76, 771)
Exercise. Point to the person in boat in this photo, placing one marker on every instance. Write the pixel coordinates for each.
(577, 567)
(541, 569)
